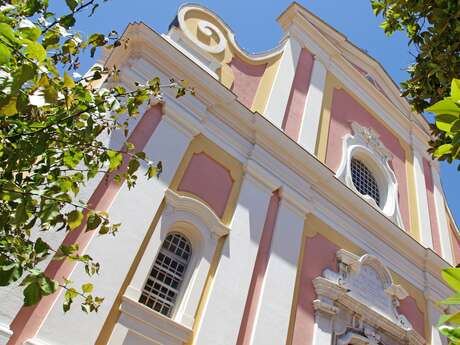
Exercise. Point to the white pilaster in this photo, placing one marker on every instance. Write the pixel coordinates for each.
(312, 112)
(433, 317)
(274, 309)
(279, 94)
(441, 215)
(134, 209)
(422, 201)
(228, 296)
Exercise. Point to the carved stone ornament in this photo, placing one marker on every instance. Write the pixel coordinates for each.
(364, 144)
(364, 290)
(205, 38)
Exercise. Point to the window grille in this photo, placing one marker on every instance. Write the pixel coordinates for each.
(364, 180)
(163, 284)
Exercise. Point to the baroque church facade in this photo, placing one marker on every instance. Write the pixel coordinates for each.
(297, 204)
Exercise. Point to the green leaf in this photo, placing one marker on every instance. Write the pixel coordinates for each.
(35, 50)
(74, 219)
(93, 221)
(24, 73)
(87, 288)
(68, 81)
(133, 166)
(32, 294)
(151, 172)
(70, 294)
(41, 246)
(442, 150)
(5, 54)
(455, 89)
(67, 21)
(115, 159)
(31, 33)
(72, 4)
(445, 122)
(7, 32)
(21, 215)
(9, 272)
(104, 230)
(47, 285)
(452, 277)
(9, 109)
(445, 107)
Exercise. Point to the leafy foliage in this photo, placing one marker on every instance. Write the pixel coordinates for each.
(433, 28)
(446, 145)
(449, 323)
(52, 120)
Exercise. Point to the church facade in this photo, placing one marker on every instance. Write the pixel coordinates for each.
(297, 204)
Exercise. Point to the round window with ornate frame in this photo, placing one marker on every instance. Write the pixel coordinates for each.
(365, 168)
(364, 180)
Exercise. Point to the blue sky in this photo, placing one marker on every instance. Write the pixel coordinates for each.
(256, 29)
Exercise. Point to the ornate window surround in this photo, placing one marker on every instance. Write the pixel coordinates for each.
(203, 228)
(341, 310)
(364, 144)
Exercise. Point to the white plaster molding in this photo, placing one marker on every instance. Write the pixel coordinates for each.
(341, 296)
(325, 307)
(152, 325)
(441, 215)
(355, 263)
(281, 88)
(5, 331)
(262, 175)
(182, 43)
(198, 208)
(35, 341)
(311, 116)
(421, 193)
(365, 287)
(364, 144)
(355, 338)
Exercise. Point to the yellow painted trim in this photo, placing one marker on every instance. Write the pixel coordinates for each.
(112, 318)
(207, 288)
(414, 228)
(322, 140)
(265, 86)
(202, 144)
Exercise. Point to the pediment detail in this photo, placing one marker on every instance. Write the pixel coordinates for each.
(363, 287)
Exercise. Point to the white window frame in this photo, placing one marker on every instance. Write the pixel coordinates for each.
(364, 144)
(202, 227)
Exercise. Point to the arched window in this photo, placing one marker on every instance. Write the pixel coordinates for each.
(364, 180)
(163, 284)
